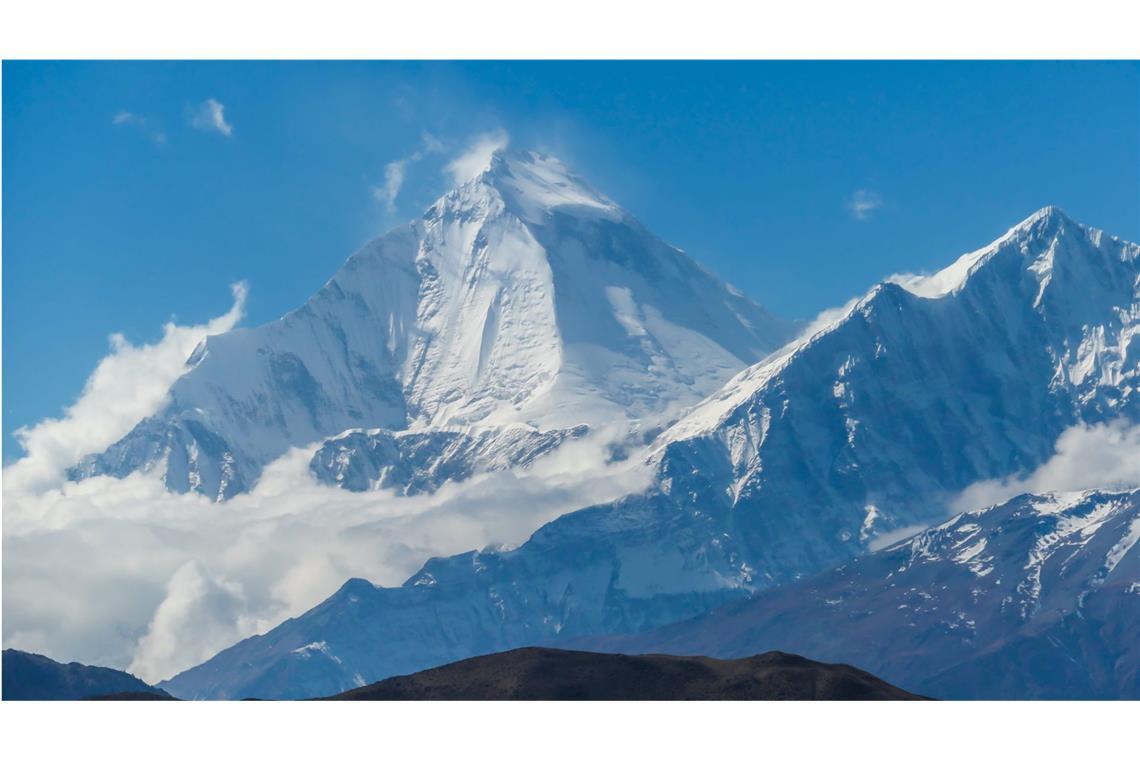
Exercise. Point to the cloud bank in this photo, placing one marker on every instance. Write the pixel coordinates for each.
(128, 384)
(123, 573)
(1103, 456)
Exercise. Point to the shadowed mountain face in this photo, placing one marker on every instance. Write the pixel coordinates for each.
(1037, 598)
(35, 677)
(557, 674)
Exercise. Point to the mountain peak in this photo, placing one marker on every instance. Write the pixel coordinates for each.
(1046, 221)
(1029, 239)
(504, 161)
(534, 185)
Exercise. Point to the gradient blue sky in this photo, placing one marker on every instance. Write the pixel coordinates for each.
(118, 224)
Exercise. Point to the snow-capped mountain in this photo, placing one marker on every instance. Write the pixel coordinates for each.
(917, 390)
(521, 297)
(871, 423)
(1038, 598)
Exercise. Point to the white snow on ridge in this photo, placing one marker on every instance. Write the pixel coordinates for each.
(535, 184)
(1099, 358)
(954, 277)
(1122, 547)
(319, 647)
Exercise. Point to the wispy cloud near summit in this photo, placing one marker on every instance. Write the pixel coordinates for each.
(396, 171)
(475, 159)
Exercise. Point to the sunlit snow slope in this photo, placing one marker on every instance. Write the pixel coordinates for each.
(521, 297)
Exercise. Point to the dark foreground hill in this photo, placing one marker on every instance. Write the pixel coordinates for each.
(30, 676)
(134, 696)
(535, 673)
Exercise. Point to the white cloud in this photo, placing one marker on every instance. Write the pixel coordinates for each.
(477, 156)
(395, 172)
(891, 537)
(211, 117)
(432, 144)
(213, 609)
(1086, 456)
(863, 203)
(129, 384)
(125, 574)
(143, 124)
(393, 181)
(1104, 456)
(827, 318)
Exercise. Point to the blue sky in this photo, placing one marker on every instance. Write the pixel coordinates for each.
(135, 192)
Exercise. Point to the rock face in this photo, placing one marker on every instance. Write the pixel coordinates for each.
(1038, 598)
(30, 676)
(521, 297)
(868, 424)
(558, 674)
(414, 462)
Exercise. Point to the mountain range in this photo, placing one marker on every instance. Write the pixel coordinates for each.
(524, 309)
(865, 423)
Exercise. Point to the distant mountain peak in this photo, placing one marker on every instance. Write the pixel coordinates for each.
(1031, 251)
(1047, 214)
(1042, 227)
